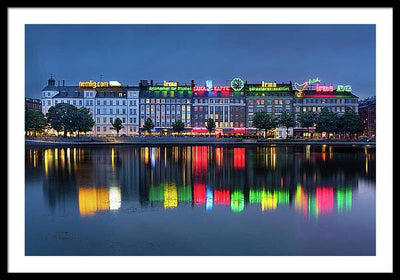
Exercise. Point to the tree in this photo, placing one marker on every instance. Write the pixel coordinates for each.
(327, 121)
(350, 122)
(117, 125)
(286, 120)
(307, 119)
(34, 121)
(83, 120)
(263, 120)
(148, 125)
(61, 117)
(178, 126)
(210, 125)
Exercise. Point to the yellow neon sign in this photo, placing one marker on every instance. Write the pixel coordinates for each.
(93, 84)
(170, 84)
(264, 84)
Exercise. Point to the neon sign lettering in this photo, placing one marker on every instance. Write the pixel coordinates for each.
(342, 88)
(267, 85)
(320, 88)
(170, 88)
(222, 88)
(269, 88)
(170, 84)
(313, 81)
(93, 84)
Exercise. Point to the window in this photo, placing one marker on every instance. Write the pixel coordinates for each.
(111, 111)
(98, 111)
(104, 120)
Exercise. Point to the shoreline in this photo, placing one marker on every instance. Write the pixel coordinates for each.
(188, 141)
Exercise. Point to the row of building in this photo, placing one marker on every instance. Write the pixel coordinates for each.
(231, 106)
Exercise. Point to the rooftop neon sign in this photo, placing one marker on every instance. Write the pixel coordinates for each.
(342, 88)
(269, 88)
(93, 84)
(169, 88)
(170, 84)
(221, 88)
(267, 85)
(323, 88)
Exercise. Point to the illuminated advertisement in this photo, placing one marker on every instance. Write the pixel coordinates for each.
(93, 84)
(284, 88)
(342, 88)
(170, 84)
(161, 88)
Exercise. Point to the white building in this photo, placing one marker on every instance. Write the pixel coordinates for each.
(105, 103)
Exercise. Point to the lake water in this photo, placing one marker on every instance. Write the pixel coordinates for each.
(200, 201)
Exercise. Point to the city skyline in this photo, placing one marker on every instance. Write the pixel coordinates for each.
(337, 54)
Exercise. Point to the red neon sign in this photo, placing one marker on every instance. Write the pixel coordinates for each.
(222, 88)
(320, 88)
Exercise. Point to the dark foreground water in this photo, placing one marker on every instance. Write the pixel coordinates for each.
(200, 200)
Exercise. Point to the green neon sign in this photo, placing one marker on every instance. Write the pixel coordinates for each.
(269, 89)
(342, 88)
(170, 88)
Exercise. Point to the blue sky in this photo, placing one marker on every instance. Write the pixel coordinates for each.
(338, 54)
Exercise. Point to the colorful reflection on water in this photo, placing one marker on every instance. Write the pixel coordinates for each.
(206, 178)
(308, 183)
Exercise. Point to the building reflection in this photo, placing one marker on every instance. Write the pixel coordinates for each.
(314, 181)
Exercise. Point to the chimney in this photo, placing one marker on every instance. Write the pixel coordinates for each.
(58, 83)
(192, 83)
(63, 82)
(151, 82)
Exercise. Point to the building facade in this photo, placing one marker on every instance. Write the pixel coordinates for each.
(271, 98)
(106, 101)
(33, 104)
(313, 97)
(232, 107)
(224, 105)
(164, 103)
(367, 112)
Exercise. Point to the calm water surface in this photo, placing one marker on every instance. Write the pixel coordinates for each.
(200, 200)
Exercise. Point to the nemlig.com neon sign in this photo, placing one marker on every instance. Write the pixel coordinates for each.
(93, 84)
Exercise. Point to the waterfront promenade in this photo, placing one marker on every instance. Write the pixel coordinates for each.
(182, 140)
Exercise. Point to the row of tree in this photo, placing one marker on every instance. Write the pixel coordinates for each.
(68, 118)
(349, 123)
(62, 118)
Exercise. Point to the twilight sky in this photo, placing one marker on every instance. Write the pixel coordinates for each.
(337, 54)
